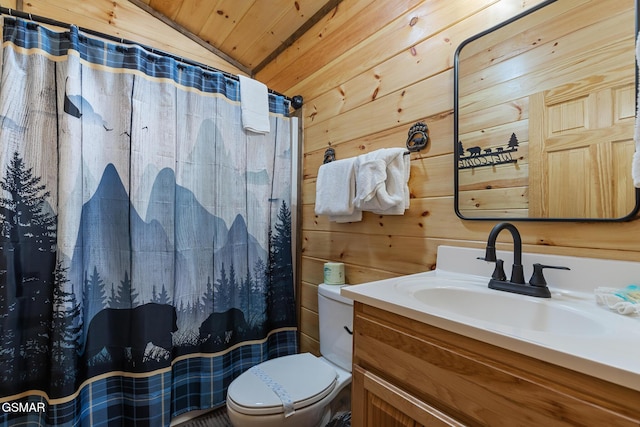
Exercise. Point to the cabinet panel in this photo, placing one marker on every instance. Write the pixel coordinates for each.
(384, 404)
(480, 384)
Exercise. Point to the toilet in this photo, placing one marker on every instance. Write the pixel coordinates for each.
(300, 389)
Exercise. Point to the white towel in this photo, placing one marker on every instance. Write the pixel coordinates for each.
(354, 217)
(624, 301)
(382, 182)
(254, 102)
(335, 190)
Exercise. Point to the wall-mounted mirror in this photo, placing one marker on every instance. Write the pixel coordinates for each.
(545, 108)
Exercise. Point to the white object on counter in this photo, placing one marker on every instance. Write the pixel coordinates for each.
(619, 300)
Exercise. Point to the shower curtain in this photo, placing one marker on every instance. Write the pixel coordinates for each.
(145, 244)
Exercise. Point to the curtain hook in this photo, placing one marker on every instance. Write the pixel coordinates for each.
(30, 17)
(10, 14)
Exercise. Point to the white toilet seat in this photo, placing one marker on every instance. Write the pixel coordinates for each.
(250, 394)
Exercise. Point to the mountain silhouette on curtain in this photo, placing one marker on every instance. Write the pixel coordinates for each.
(229, 301)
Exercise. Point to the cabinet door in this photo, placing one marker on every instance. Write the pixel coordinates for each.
(376, 403)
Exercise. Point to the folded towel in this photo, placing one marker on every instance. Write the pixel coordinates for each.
(254, 103)
(354, 217)
(624, 301)
(635, 164)
(335, 189)
(382, 182)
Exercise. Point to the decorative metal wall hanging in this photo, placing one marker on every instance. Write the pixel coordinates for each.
(476, 157)
(329, 155)
(418, 137)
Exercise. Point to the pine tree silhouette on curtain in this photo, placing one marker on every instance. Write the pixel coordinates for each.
(28, 239)
(66, 330)
(280, 301)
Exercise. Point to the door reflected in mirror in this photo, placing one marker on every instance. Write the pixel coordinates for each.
(545, 110)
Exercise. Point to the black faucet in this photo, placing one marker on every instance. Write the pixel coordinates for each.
(536, 287)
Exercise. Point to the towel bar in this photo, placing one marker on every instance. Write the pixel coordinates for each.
(418, 139)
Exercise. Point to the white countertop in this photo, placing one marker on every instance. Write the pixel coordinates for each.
(609, 350)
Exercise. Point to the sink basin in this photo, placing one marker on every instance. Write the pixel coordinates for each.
(509, 310)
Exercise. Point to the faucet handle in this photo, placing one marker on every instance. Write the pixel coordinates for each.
(537, 278)
(498, 272)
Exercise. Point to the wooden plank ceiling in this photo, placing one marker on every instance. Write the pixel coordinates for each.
(248, 33)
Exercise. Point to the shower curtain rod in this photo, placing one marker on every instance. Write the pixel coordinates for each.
(296, 100)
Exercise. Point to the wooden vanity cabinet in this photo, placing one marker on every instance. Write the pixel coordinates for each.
(407, 373)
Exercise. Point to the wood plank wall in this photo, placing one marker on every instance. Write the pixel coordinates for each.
(121, 18)
(367, 72)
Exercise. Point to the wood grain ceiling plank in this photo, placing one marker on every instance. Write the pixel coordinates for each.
(357, 28)
(278, 31)
(307, 25)
(168, 8)
(223, 21)
(250, 29)
(336, 18)
(193, 14)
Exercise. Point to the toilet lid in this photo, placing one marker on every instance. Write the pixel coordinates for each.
(301, 379)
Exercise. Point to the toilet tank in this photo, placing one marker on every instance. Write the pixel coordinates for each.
(335, 314)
